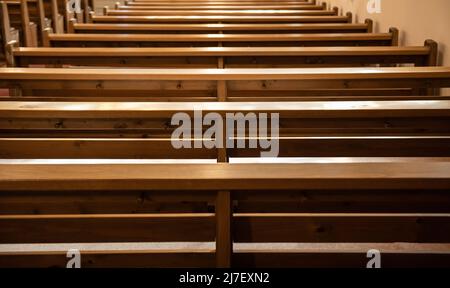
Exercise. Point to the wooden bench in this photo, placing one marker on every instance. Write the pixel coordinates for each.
(352, 129)
(223, 28)
(222, 2)
(217, 12)
(226, 40)
(224, 84)
(147, 3)
(227, 57)
(78, 204)
(17, 23)
(242, 6)
(221, 19)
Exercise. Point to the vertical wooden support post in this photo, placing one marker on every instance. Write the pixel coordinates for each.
(71, 27)
(336, 11)
(224, 241)
(28, 41)
(349, 17)
(46, 39)
(86, 9)
(55, 17)
(395, 34)
(224, 214)
(90, 16)
(433, 54)
(5, 25)
(369, 23)
(432, 61)
(9, 54)
(41, 9)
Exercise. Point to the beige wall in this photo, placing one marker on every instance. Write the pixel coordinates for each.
(417, 20)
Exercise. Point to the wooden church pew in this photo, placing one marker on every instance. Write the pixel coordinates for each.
(422, 230)
(20, 23)
(222, 19)
(254, 12)
(247, 2)
(147, 3)
(354, 129)
(228, 57)
(227, 40)
(224, 83)
(244, 6)
(223, 28)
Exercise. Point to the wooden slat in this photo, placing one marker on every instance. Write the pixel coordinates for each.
(218, 12)
(219, 51)
(324, 74)
(222, 19)
(106, 228)
(418, 255)
(260, 201)
(221, 2)
(223, 37)
(232, 56)
(206, 6)
(343, 201)
(292, 98)
(327, 228)
(130, 110)
(328, 256)
(327, 27)
(105, 202)
(112, 259)
(429, 175)
(85, 148)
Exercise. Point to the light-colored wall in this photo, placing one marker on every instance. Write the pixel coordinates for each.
(417, 20)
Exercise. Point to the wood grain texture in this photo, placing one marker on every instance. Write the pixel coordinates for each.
(428, 175)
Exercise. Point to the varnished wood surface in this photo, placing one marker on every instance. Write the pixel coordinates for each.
(216, 27)
(206, 6)
(222, 37)
(341, 228)
(197, 227)
(226, 74)
(246, 2)
(83, 150)
(429, 175)
(219, 51)
(217, 12)
(225, 19)
(186, 258)
(312, 255)
(347, 109)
